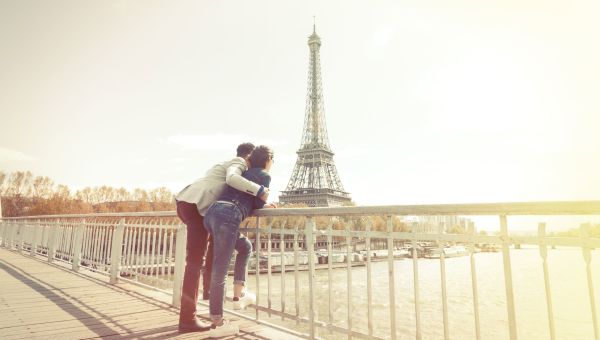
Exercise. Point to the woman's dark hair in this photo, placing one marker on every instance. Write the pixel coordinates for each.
(243, 150)
(260, 156)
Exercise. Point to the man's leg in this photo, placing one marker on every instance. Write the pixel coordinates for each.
(195, 249)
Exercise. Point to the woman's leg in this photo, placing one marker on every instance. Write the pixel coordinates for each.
(206, 273)
(223, 221)
(244, 249)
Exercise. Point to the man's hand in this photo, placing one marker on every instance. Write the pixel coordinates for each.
(270, 205)
(265, 194)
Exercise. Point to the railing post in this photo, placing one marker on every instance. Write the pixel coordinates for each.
(349, 275)
(473, 232)
(78, 242)
(440, 244)
(544, 254)
(180, 244)
(510, 298)
(7, 228)
(283, 263)
(52, 241)
(369, 278)
(418, 334)
(116, 251)
(20, 232)
(269, 264)
(329, 270)
(587, 256)
(14, 236)
(391, 275)
(4, 228)
(10, 238)
(7, 232)
(296, 281)
(257, 272)
(34, 238)
(310, 247)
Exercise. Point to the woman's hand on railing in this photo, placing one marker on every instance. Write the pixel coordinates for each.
(264, 196)
(270, 206)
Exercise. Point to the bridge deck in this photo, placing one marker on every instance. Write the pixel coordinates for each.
(41, 301)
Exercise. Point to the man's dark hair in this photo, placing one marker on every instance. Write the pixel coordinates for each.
(243, 150)
(260, 156)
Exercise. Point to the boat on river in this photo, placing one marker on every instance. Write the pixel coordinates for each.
(451, 251)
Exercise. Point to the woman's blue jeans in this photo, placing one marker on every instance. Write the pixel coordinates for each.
(223, 220)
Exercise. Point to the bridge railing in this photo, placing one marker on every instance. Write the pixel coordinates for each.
(292, 244)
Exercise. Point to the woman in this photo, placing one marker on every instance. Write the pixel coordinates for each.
(222, 220)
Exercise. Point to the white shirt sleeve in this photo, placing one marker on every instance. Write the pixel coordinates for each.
(234, 178)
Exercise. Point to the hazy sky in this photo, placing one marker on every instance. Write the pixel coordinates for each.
(425, 102)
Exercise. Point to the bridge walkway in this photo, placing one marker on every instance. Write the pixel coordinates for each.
(42, 301)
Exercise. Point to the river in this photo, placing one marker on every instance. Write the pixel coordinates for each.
(568, 281)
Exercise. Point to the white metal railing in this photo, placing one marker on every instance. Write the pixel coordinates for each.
(150, 248)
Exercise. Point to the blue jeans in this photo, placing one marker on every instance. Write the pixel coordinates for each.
(222, 220)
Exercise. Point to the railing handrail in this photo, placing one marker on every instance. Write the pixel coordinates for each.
(477, 209)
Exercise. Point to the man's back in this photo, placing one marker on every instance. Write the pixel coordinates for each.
(207, 189)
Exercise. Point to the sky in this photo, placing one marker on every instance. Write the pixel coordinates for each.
(426, 102)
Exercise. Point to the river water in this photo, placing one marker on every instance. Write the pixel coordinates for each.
(568, 280)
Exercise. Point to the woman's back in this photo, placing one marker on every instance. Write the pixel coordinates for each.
(245, 201)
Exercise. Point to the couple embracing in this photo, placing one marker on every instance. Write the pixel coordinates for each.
(212, 208)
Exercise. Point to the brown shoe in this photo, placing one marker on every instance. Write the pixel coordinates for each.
(193, 326)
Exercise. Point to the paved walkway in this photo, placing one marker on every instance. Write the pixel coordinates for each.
(43, 301)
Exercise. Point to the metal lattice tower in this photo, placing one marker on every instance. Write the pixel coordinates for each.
(315, 180)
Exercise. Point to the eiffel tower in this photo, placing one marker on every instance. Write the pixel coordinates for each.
(315, 181)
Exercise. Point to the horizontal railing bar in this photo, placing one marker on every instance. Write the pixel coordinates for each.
(321, 324)
(522, 240)
(131, 214)
(511, 208)
(288, 316)
(272, 325)
(518, 208)
(572, 242)
(407, 236)
(354, 334)
(274, 232)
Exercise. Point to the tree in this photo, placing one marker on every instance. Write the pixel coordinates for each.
(85, 195)
(140, 195)
(18, 192)
(19, 184)
(42, 187)
(123, 195)
(22, 194)
(2, 180)
(456, 229)
(161, 194)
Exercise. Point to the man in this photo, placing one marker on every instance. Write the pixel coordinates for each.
(192, 203)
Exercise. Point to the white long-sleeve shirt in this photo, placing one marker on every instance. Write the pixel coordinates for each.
(204, 191)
